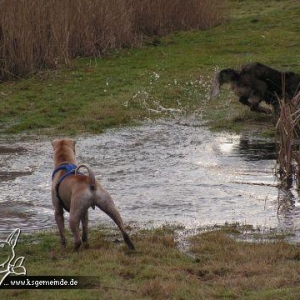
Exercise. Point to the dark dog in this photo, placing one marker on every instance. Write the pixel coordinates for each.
(76, 193)
(255, 83)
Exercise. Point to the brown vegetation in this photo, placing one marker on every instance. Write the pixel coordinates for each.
(259, 270)
(288, 134)
(35, 34)
(216, 266)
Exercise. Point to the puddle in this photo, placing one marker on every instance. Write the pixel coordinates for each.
(158, 173)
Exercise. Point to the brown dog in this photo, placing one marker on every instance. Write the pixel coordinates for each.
(76, 193)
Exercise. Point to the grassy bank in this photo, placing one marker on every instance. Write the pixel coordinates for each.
(217, 266)
(130, 85)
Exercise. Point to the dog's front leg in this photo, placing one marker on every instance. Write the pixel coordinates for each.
(59, 218)
(244, 100)
(261, 109)
(255, 101)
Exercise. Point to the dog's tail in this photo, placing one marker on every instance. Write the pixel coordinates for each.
(91, 175)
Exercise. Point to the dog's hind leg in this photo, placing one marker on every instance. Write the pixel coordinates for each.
(74, 222)
(106, 204)
(84, 223)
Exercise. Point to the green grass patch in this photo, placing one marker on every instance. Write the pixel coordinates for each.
(215, 266)
(130, 85)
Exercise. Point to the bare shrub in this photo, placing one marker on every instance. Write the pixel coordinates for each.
(35, 34)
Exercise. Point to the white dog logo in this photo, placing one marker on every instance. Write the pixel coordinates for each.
(8, 263)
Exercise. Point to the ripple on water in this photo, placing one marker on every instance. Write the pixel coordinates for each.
(157, 173)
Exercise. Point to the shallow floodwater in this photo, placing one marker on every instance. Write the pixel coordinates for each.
(158, 173)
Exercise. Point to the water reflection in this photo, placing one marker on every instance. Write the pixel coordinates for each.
(257, 149)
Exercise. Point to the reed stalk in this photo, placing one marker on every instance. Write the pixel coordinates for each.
(288, 134)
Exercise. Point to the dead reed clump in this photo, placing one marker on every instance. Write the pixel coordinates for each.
(37, 34)
(159, 17)
(288, 134)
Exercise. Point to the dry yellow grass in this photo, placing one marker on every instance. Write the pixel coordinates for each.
(37, 34)
(246, 268)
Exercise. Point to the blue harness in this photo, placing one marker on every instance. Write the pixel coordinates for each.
(70, 169)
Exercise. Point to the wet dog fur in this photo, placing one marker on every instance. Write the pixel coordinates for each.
(255, 82)
(78, 193)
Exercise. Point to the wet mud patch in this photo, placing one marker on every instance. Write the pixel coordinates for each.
(10, 150)
(6, 175)
(7, 154)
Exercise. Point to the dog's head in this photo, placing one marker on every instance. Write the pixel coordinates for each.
(222, 77)
(227, 75)
(64, 151)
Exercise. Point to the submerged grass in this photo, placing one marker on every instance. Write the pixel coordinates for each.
(216, 266)
(133, 84)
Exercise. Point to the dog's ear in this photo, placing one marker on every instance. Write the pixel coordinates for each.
(53, 143)
(215, 86)
(74, 144)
